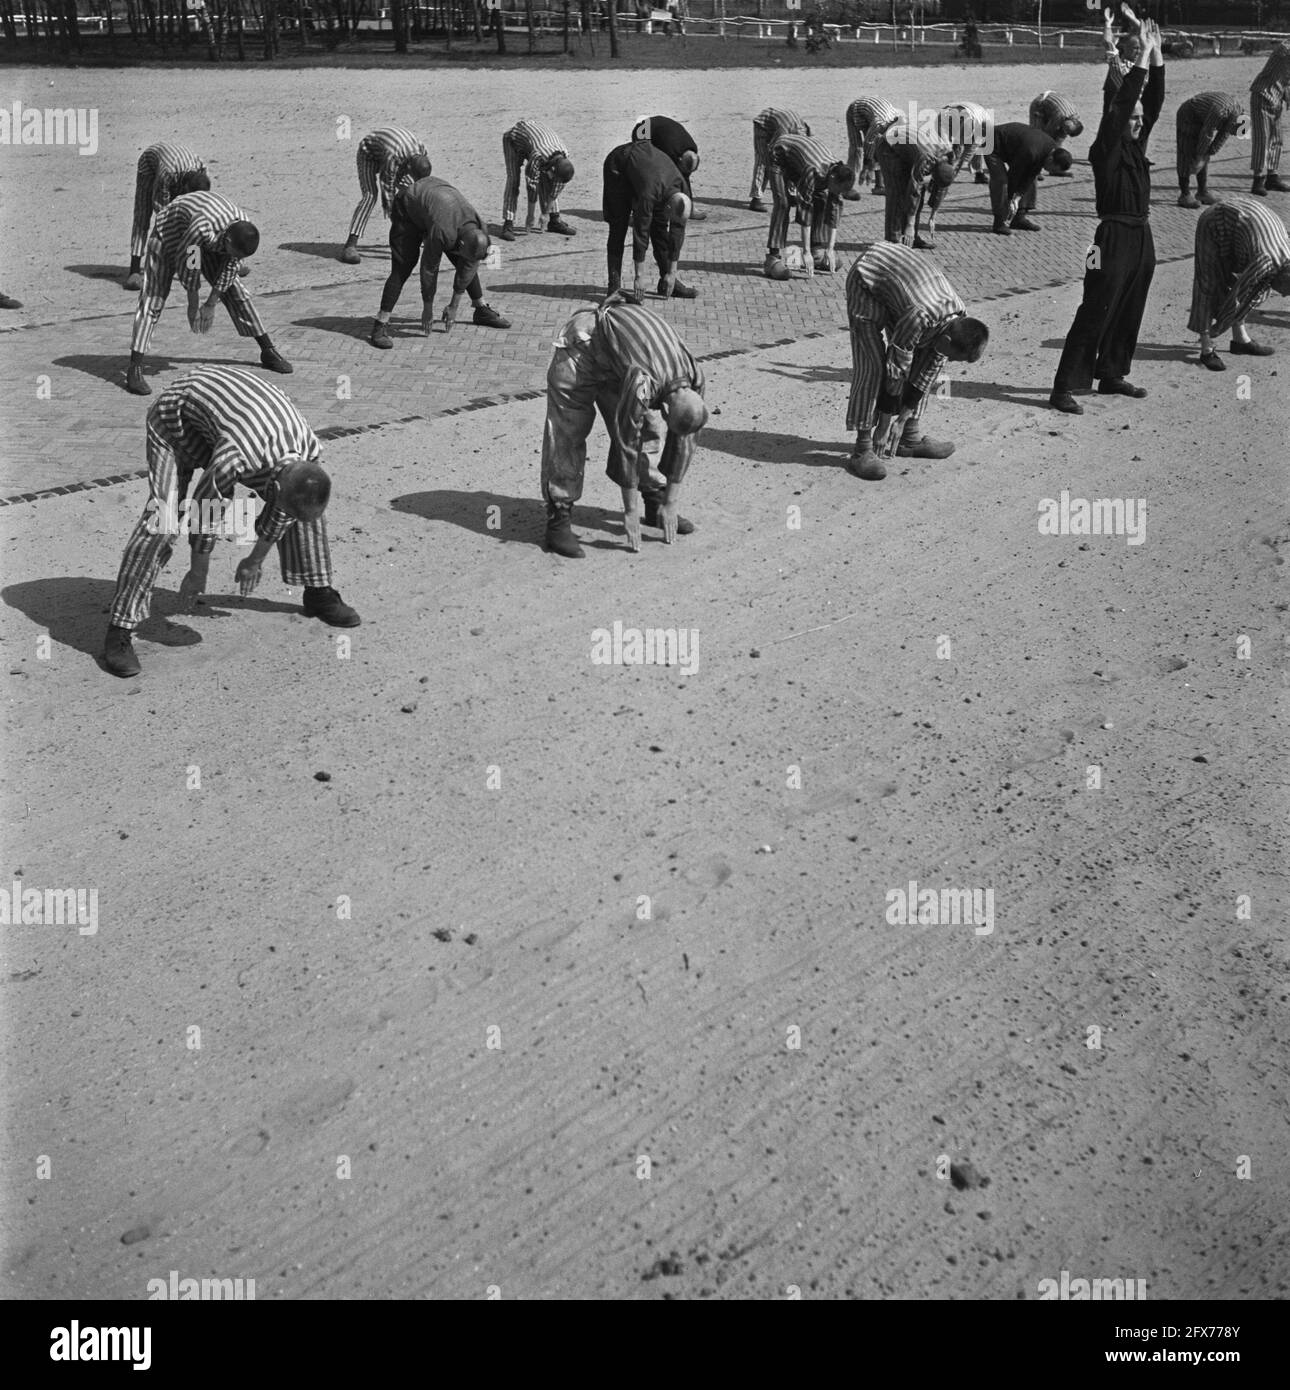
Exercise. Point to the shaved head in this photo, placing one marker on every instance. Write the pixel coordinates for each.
(563, 169)
(688, 162)
(686, 412)
(194, 181)
(473, 243)
(303, 489)
(242, 239)
(419, 167)
(678, 207)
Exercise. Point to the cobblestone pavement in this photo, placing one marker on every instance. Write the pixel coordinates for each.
(81, 428)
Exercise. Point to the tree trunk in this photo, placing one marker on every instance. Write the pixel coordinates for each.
(474, 14)
(241, 37)
(270, 28)
(613, 27)
(398, 19)
(528, 14)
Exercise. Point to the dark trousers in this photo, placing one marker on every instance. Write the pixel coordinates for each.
(1104, 335)
(406, 241)
(616, 205)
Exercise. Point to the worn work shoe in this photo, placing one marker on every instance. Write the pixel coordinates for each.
(488, 317)
(1022, 223)
(756, 205)
(1208, 198)
(1001, 229)
(868, 466)
(118, 652)
(1188, 200)
(134, 281)
(136, 383)
(1120, 386)
(326, 604)
(775, 269)
(379, 337)
(679, 290)
(560, 226)
(1251, 349)
(696, 215)
(853, 196)
(924, 241)
(684, 526)
(559, 536)
(275, 362)
(1065, 402)
(1259, 187)
(982, 177)
(1276, 184)
(507, 233)
(924, 449)
(350, 254)
(1213, 361)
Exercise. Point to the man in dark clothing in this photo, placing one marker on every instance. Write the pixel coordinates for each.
(644, 188)
(1122, 259)
(678, 144)
(1014, 163)
(431, 219)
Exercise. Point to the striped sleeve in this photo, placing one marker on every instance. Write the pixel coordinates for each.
(1253, 245)
(541, 145)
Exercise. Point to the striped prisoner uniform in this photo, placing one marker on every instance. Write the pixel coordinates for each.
(160, 168)
(799, 165)
(624, 359)
(1057, 116)
(230, 426)
(1240, 245)
(907, 156)
(966, 127)
(867, 118)
(1269, 94)
(1116, 71)
(382, 165)
(1205, 122)
(898, 303)
(768, 126)
(537, 148)
(182, 246)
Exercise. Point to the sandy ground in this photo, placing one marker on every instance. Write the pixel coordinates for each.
(496, 1037)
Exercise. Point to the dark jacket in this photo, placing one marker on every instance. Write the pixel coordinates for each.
(1121, 169)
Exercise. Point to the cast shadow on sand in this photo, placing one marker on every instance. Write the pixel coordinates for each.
(1148, 352)
(110, 367)
(590, 294)
(330, 250)
(74, 611)
(518, 519)
(795, 373)
(101, 272)
(769, 447)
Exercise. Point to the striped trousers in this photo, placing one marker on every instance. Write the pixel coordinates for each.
(1192, 159)
(904, 206)
(150, 196)
(159, 276)
(369, 183)
(1265, 136)
(515, 158)
(860, 147)
(763, 136)
(869, 361)
(823, 215)
(303, 552)
(575, 389)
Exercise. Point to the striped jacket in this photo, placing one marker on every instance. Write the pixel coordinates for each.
(247, 427)
(168, 162)
(390, 148)
(868, 113)
(804, 162)
(192, 224)
(1240, 245)
(1050, 111)
(1208, 115)
(1271, 88)
(776, 122)
(539, 146)
(917, 302)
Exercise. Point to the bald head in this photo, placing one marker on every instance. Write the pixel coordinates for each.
(242, 239)
(193, 181)
(562, 169)
(685, 410)
(678, 208)
(473, 244)
(419, 167)
(688, 162)
(303, 489)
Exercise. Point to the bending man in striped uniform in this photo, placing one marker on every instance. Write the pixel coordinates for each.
(1020, 153)
(912, 162)
(547, 168)
(1269, 94)
(1057, 116)
(680, 147)
(1104, 335)
(867, 118)
(968, 129)
(1242, 256)
(633, 366)
(384, 159)
(645, 190)
(1204, 125)
(229, 426)
(431, 219)
(906, 323)
(805, 176)
(164, 172)
(768, 126)
(200, 235)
